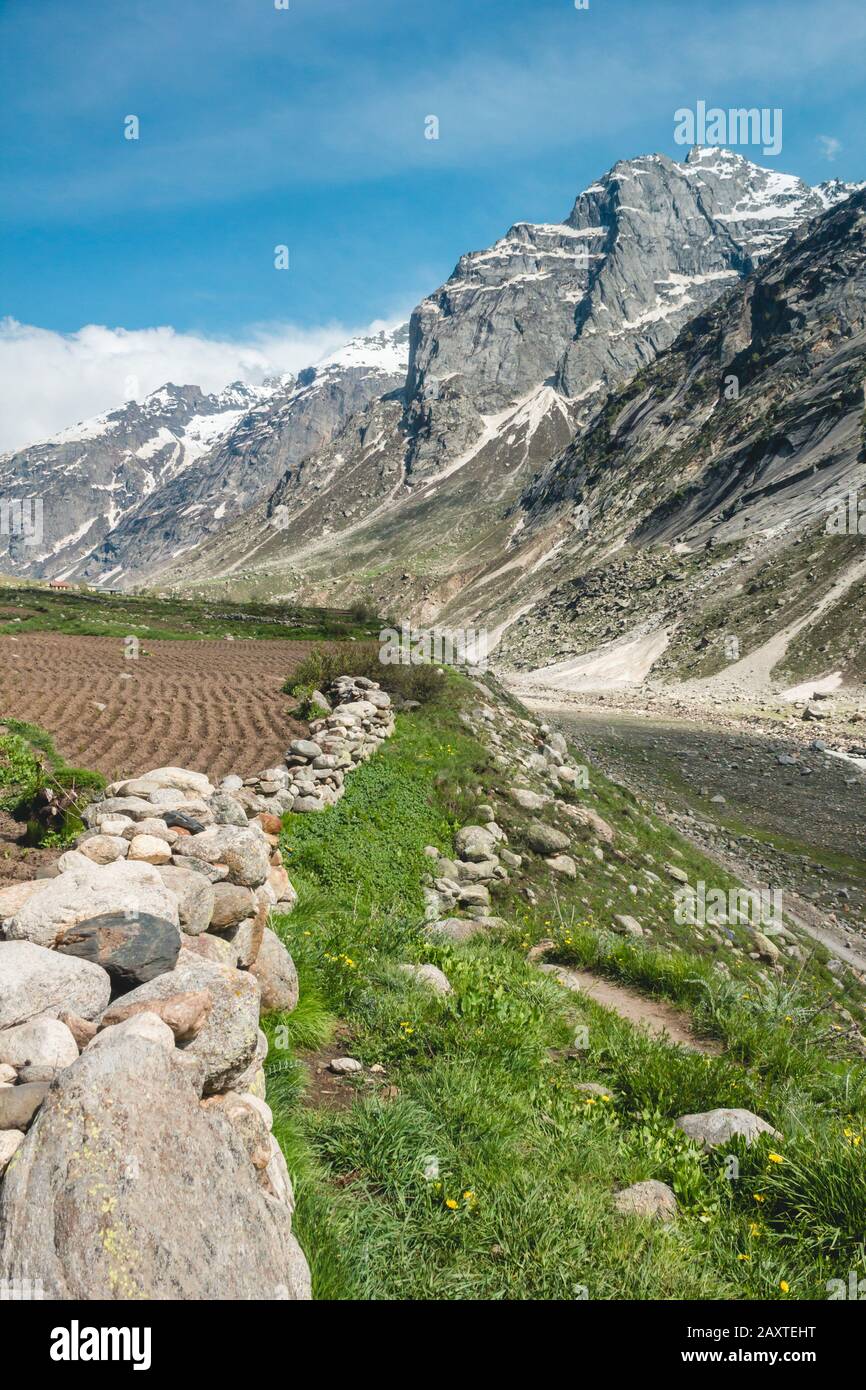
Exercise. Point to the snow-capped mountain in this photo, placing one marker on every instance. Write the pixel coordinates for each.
(131, 489)
(91, 475)
(513, 354)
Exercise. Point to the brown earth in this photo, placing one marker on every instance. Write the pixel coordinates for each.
(213, 706)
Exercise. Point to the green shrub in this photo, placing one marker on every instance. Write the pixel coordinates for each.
(321, 666)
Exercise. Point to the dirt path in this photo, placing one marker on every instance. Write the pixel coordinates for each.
(654, 1016)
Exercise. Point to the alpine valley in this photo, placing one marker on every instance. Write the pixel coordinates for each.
(604, 440)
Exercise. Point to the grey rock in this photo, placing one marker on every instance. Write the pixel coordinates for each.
(36, 983)
(429, 975)
(651, 1199)
(245, 853)
(185, 1196)
(474, 843)
(545, 839)
(715, 1127)
(345, 1066)
(275, 971)
(195, 897)
(41, 1042)
(226, 809)
(18, 1104)
(227, 1043)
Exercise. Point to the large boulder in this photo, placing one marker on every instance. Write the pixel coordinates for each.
(179, 779)
(35, 983)
(88, 891)
(126, 1187)
(227, 1042)
(245, 852)
(275, 971)
(714, 1127)
(132, 948)
(17, 894)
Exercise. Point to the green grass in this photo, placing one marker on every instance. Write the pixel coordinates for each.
(489, 1174)
(31, 764)
(35, 608)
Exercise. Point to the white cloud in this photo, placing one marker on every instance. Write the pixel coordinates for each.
(50, 380)
(830, 146)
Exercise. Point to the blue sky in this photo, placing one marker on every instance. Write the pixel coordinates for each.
(305, 126)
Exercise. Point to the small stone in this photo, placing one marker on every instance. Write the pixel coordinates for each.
(104, 849)
(714, 1127)
(18, 1104)
(562, 864)
(345, 1066)
(149, 850)
(627, 926)
(304, 748)
(545, 839)
(651, 1199)
(429, 975)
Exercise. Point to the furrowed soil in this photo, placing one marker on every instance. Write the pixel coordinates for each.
(214, 706)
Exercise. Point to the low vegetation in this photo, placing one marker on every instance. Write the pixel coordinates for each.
(320, 666)
(85, 613)
(465, 1162)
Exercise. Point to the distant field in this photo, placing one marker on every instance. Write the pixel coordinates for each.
(34, 608)
(214, 706)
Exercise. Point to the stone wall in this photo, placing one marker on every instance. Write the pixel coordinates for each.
(136, 1152)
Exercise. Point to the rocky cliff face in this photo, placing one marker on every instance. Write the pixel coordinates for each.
(412, 500)
(684, 507)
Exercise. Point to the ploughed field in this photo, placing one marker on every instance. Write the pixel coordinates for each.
(215, 705)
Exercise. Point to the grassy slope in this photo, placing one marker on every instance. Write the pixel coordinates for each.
(34, 608)
(479, 1106)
